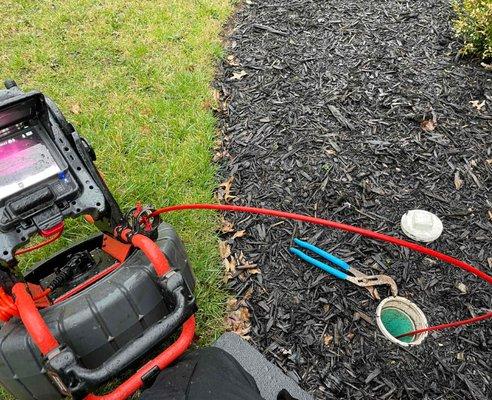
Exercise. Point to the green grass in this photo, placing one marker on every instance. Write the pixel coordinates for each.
(134, 78)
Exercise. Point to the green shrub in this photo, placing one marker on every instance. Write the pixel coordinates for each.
(474, 25)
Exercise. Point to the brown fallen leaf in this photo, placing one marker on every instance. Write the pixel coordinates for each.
(224, 249)
(490, 214)
(224, 192)
(349, 336)
(245, 268)
(219, 104)
(227, 184)
(477, 104)
(229, 268)
(232, 61)
(216, 95)
(458, 182)
(237, 76)
(488, 67)
(462, 288)
(239, 234)
(226, 226)
(327, 339)
(428, 125)
(248, 294)
(75, 108)
(219, 155)
(238, 318)
(254, 271)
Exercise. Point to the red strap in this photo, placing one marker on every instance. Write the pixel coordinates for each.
(50, 232)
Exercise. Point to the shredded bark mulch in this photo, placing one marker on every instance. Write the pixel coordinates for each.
(358, 111)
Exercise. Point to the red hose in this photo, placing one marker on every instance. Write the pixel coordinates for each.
(349, 228)
(32, 320)
(135, 382)
(151, 251)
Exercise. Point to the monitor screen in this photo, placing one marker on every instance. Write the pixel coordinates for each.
(25, 160)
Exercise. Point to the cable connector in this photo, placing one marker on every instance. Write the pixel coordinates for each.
(140, 220)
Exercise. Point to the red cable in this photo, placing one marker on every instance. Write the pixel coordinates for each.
(349, 228)
(56, 236)
(8, 308)
(448, 325)
(87, 283)
(44, 293)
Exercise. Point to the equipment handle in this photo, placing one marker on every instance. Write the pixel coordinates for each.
(79, 380)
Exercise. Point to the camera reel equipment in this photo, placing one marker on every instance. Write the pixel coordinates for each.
(101, 307)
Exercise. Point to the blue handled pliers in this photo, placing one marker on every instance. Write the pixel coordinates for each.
(358, 278)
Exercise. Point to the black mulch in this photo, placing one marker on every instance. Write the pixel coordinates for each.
(327, 122)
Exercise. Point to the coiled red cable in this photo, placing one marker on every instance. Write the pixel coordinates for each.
(349, 228)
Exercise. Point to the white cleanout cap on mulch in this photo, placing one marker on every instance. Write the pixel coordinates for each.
(421, 225)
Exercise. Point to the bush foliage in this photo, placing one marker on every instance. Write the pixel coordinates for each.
(474, 25)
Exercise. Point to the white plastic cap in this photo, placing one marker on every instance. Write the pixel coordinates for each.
(421, 225)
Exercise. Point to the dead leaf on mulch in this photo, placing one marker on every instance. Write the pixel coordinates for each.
(224, 249)
(219, 155)
(224, 191)
(458, 182)
(238, 318)
(428, 125)
(236, 266)
(238, 234)
(462, 287)
(237, 76)
(327, 339)
(248, 268)
(226, 226)
(216, 95)
(478, 104)
(232, 61)
(229, 268)
(488, 67)
(227, 184)
(490, 214)
(220, 105)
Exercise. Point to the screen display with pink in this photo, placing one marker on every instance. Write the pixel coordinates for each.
(24, 161)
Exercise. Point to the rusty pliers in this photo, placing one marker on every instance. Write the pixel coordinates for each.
(358, 278)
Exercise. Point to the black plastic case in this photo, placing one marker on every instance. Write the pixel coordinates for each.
(94, 323)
